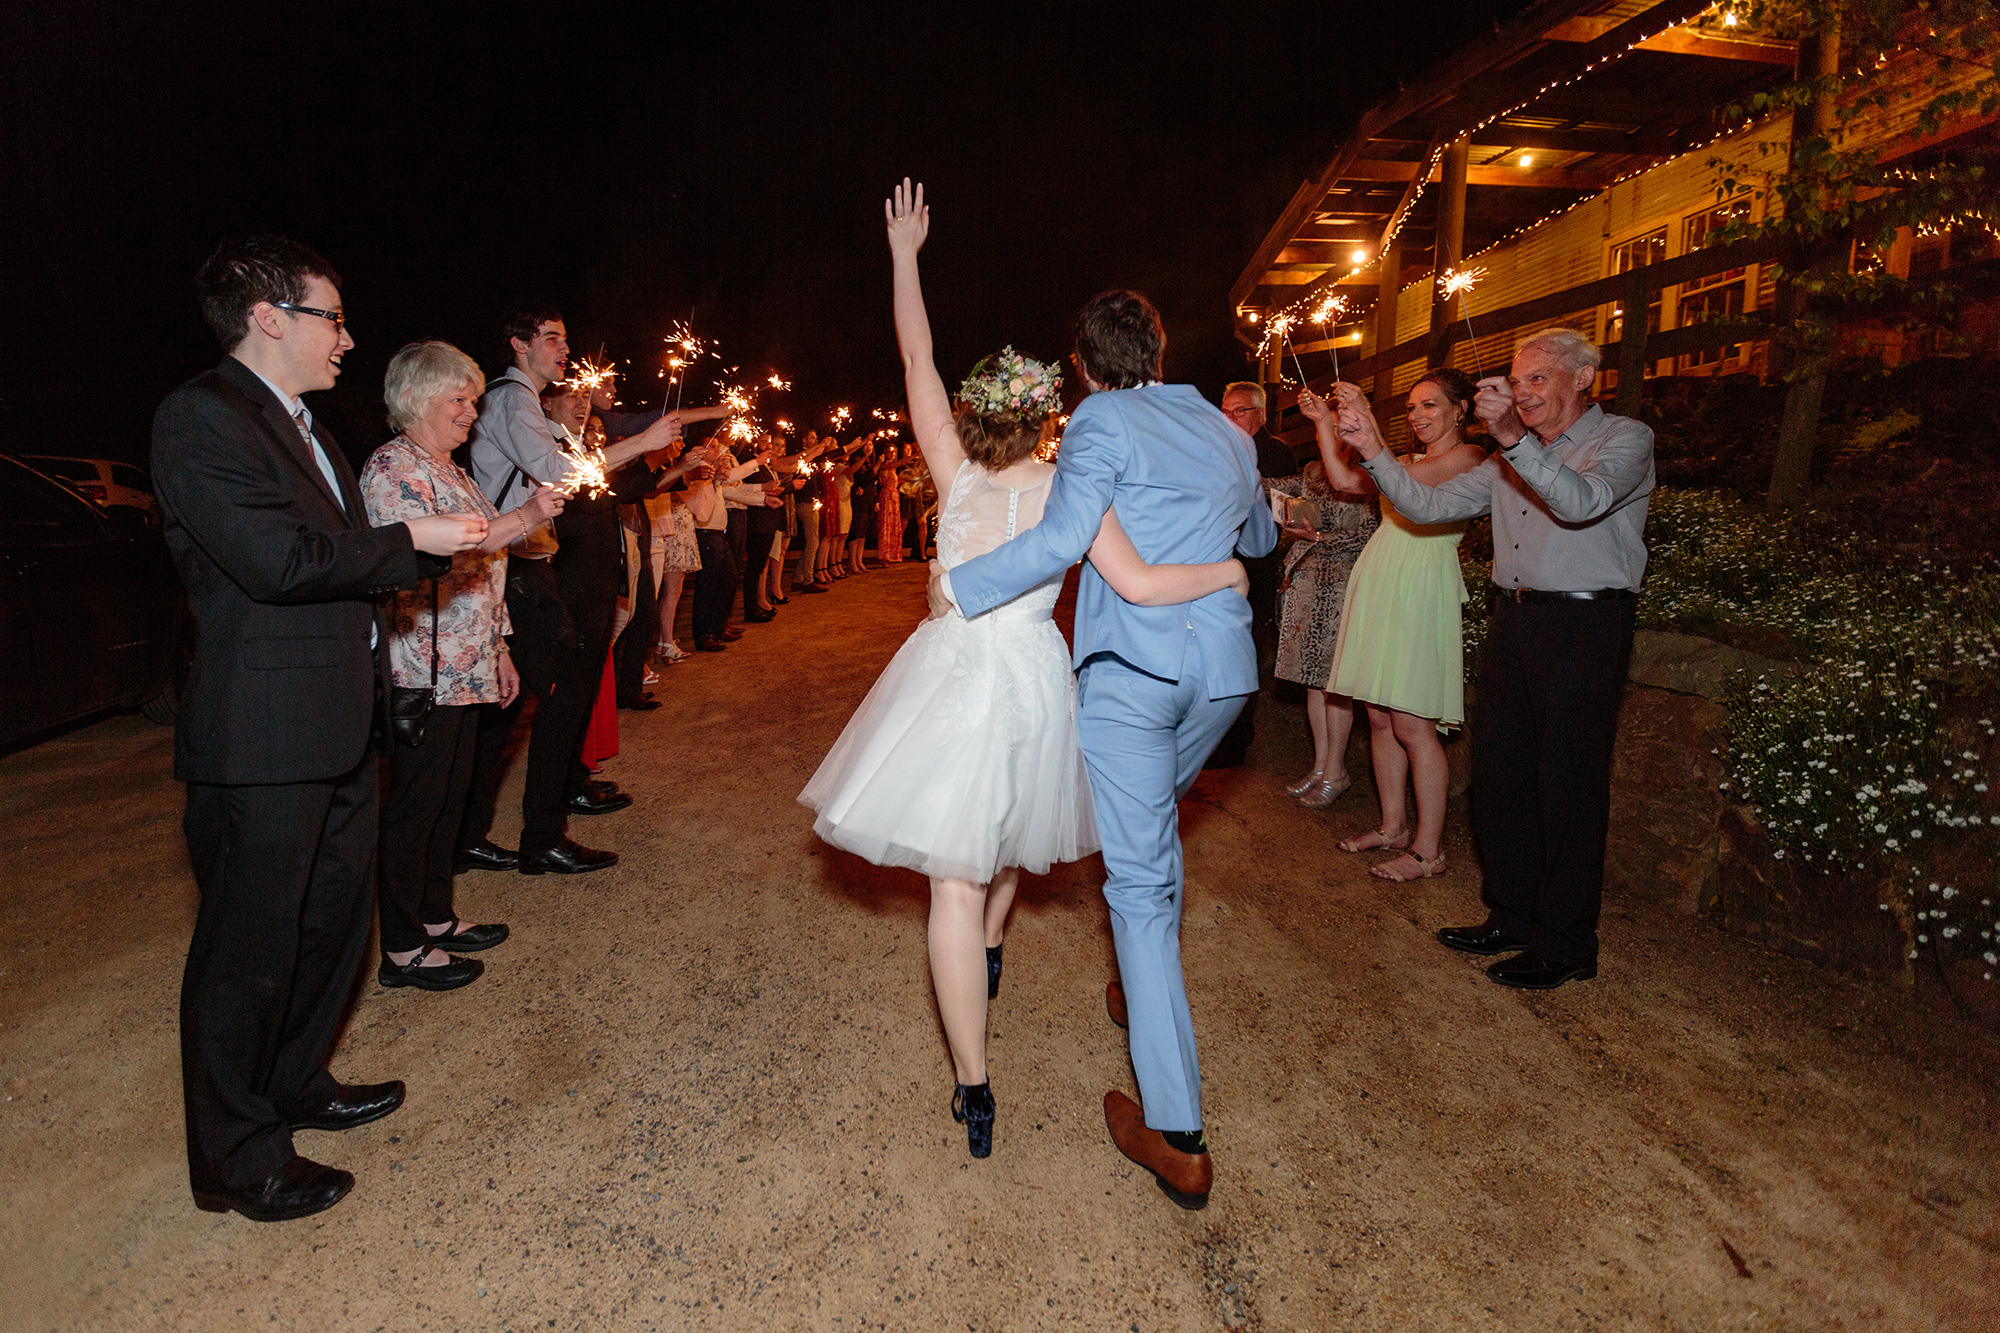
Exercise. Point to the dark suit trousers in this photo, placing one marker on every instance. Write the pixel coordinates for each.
(714, 583)
(285, 872)
(757, 556)
(547, 652)
(1547, 714)
(628, 657)
(427, 789)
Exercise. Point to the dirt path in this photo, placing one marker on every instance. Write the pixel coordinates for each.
(707, 1089)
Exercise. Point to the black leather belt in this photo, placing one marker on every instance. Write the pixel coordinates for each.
(1594, 595)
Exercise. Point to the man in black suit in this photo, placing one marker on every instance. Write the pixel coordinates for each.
(282, 570)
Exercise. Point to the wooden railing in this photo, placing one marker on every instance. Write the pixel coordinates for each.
(1629, 356)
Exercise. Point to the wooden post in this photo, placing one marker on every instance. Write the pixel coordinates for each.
(1388, 280)
(1449, 250)
(1632, 346)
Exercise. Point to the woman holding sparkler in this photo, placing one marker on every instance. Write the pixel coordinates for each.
(1400, 647)
(449, 638)
(1311, 598)
(963, 761)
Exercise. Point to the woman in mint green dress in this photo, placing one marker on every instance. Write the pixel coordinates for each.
(1400, 647)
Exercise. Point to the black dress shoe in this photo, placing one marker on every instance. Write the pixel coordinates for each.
(782, 601)
(470, 939)
(566, 858)
(355, 1104)
(587, 802)
(732, 634)
(483, 855)
(755, 617)
(1531, 971)
(645, 705)
(1480, 940)
(450, 976)
(602, 787)
(299, 1188)
(710, 646)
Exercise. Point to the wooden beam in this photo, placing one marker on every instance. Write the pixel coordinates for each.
(1528, 177)
(1682, 42)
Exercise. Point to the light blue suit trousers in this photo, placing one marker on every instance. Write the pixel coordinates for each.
(1144, 741)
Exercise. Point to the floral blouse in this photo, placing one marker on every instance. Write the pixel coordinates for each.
(402, 482)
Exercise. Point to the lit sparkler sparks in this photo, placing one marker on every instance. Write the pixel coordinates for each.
(780, 383)
(841, 416)
(1327, 313)
(586, 472)
(1458, 282)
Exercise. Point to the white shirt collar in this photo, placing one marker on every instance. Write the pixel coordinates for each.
(293, 406)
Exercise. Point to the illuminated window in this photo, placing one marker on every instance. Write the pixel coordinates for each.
(1721, 295)
(1637, 253)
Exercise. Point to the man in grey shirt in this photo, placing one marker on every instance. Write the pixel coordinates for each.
(1567, 490)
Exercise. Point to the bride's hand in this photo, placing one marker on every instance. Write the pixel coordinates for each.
(909, 220)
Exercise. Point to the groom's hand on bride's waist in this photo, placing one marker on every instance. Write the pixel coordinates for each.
(939, 592)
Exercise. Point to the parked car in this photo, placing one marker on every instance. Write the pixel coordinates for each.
(102, 480)
(91, 609)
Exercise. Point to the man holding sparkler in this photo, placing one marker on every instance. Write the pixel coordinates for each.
(282, 572)
(1567, 489)
(514, 449)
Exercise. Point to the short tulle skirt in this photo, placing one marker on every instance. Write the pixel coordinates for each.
(963, 760)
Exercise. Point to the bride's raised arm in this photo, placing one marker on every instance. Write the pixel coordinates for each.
(1142, 584)
(930, 405)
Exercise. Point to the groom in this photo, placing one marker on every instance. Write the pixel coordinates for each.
(1156, 686)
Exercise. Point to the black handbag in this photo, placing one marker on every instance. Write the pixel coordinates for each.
(410, 706)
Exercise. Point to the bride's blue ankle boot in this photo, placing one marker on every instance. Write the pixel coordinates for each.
(972, 1106)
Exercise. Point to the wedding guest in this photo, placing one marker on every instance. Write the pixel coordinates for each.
(715, 584)
(861, 510)
(810, 523)
(1399, 647)
(676, 554)
(281, 569)
(1243, 402)
(1313, 592)
(447, 637)
(763, 523)
(1568, 490)
(515, 448)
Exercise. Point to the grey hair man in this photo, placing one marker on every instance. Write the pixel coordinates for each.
(1567, 489)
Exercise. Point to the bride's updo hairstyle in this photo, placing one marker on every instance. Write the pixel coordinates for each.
(1001, 407)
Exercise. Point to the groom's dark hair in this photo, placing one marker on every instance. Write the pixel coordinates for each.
(1119, 339)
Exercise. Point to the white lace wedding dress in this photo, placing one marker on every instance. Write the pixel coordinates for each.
(963, 759)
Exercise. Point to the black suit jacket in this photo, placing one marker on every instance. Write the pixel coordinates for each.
(281, 582)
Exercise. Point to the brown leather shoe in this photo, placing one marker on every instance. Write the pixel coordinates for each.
(1184, 1177)
(1114, 1002)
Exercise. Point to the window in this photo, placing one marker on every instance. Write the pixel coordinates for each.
(1637, 253)
(1721, 295)
(127, 475)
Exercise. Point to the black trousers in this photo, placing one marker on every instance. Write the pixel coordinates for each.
(428, 784)
(285, 872)
(714, 583)
(548, 652)
(628, 655)
(1549, 688)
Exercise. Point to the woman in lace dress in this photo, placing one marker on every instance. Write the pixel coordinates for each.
(1315, 586)
(963, 763)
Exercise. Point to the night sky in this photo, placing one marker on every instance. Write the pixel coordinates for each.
(638, 164)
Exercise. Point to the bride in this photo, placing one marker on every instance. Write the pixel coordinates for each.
(962, 763)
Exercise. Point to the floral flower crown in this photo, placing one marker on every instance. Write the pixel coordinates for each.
(1008, 384)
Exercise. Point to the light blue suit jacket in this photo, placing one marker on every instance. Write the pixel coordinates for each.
(1185, 483)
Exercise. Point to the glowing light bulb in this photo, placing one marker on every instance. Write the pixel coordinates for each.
(1729, 18)
(1527, 159)
(1359, 256)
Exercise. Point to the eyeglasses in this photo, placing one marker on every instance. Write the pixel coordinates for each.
(339, 319)
(1241, 411)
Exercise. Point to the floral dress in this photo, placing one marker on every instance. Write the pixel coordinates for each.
(1316, 577)
(402, 482)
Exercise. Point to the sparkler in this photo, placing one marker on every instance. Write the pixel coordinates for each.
(841, 416)
(586, 472)
(1457, 282)
(1328, 312)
